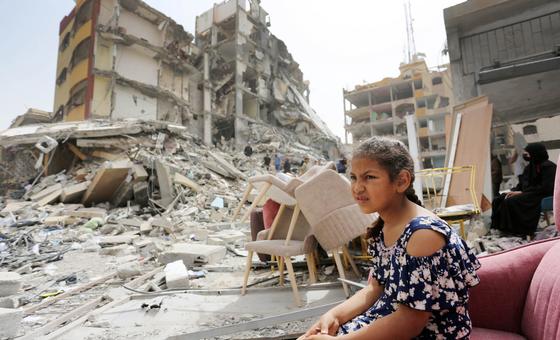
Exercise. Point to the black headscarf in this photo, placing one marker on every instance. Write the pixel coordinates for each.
(538, 152)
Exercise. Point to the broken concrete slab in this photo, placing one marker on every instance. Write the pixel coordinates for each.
(108, 156)
(176, 275)
(129, 269)
(120, 250)
(192, 253)
(230, 236)
(113, 240)
(9, 302)
(123, 194)
(183, 180)
(133, 222)
(10, 283)
(73, 193)
(46, 192)
(13, 207)
(139, 173)
(140, 191)
(88, 213)
(10, 320)
(50, 198)
(145, 227)
(165, 184)
(60, 220)
(104, 185)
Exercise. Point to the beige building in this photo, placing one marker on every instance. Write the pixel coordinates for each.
(379, 109)
(123, 59)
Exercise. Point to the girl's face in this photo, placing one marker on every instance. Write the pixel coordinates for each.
(372, 188)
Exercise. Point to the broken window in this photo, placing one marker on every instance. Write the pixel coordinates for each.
(61, 77)
(530, 130)
(437, 80)
(80, 53)
(77, 95)
(443, 102)
(84, 15)
(65, 42)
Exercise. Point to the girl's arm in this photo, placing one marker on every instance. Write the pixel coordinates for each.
(358, 303)
(404, 323)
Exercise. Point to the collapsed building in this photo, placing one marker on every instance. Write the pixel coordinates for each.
(380, 108)
(508, 50)
(125, 59)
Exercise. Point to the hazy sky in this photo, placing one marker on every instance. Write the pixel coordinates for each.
(338, 44)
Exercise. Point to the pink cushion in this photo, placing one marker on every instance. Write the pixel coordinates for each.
(492, 334)
(270, 209)
(556, 199)
(497, 302)
(541, 317)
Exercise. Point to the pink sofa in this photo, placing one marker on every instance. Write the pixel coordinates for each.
(519, 294)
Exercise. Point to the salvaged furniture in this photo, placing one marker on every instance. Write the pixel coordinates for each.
(335, 218)
(289, 235)
(436, 197)
(517, 297)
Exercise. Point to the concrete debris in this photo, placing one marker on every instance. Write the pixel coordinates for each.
(191, 253)
(176, 275)
(10, 320)
(10, 283)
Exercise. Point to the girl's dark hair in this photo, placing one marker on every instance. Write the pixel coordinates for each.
(393, 156)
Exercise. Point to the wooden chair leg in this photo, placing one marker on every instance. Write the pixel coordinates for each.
(243, 200)
(256, 201)
(293, 281)
(281, 270)
(311, 268)
(341, 273)
(247, 270)
(462, 229)
(351, 260)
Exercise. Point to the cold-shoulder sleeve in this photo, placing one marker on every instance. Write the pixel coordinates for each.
(439, 281)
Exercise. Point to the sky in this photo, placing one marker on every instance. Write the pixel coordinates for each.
(338, 44)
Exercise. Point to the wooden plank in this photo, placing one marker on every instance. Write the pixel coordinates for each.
(49, 327)
(74, 193)
(108, 156)
(473, 148)
(104, 185)
(50, 301)
(260, 323)
(77, 151)
(183, 180)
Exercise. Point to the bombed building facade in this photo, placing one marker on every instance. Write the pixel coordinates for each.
(230, 81)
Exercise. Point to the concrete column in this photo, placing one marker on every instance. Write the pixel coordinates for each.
(207, 105)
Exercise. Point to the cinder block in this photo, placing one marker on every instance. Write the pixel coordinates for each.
(10, 320)
(176, 275)
(191, 253)
(10, 283)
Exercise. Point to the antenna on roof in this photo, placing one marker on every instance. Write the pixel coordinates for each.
(410, 43)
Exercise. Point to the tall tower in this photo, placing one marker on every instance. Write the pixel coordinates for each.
(410, 43)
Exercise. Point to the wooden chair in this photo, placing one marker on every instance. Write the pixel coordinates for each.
(289, 235)
(335, 218)
(436, 197)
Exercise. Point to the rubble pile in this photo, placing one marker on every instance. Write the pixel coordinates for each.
(122, 198)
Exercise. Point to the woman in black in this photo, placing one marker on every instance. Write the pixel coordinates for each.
(518, 211)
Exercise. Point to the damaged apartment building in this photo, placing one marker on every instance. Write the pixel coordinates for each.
(233, 80)
(380, 108)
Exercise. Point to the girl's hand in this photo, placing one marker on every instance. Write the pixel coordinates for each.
(327, 325)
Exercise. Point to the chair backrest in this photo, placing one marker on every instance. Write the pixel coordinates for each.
(301, 231)
(327, 203)
(462, 192)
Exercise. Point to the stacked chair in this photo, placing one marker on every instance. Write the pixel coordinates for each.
(317, 206)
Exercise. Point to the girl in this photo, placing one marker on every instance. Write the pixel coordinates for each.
(421, 269)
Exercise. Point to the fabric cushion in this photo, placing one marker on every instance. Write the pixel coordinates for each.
(277, 247)
(270, 209)
(541, 316)
(497, 302)
(492, 334)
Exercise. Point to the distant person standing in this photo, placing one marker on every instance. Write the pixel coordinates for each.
(287, 165)
(341, 166)
(497, 177)
(304, 166)
(266, 162)
(277, 163)
(248, 151)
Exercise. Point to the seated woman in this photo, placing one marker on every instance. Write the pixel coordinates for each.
(518, 211)
(421, 269)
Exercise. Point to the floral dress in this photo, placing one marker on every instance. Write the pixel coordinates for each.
(437, 283)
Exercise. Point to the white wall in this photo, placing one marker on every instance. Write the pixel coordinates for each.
(133, 63)
(131, 103)
(140, 27)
